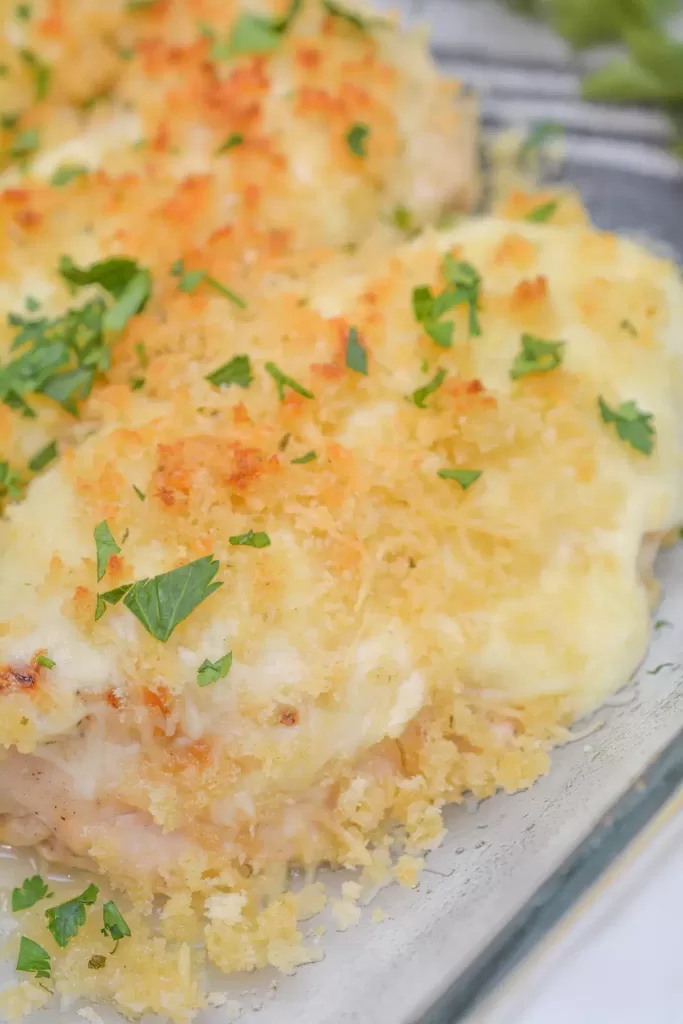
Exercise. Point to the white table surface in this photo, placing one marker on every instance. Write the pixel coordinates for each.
(619, 958)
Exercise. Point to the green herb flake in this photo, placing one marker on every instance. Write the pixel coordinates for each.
(25, 144)
(162, 602)
(22, 12)
(46, 662)
(356, 355)
(251, 540)
(32, 304)
(141, 353)
(356, 138)
(541, 214)
(105, 547)
(303, 459)
(96, 962)
(141, 495)
(236, 371)
(211, 671)
(137, 383)
(43, 457)
(33, 958)
(633, 425)
(663, 623)
(352, 18)
(402, 218)
(41, 72)
(627, 326)
(538, 136)
(110, 597)
(30, 892)
(660, 668)
(67, 173)
(191, 279)
(420, 395)
(9, 121)
(114, 925)
(234, 139)
(465, 477)
(65, 920)
(11, 483)
(537, 356)
(282, 381)
(124, 279)
(251, 33)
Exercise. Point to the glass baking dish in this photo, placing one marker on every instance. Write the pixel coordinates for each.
(511, 867)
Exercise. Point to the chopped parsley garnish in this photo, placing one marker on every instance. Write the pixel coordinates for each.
(351, 17)
(114, 925)
(465, 477)
(537, 356)
(65, 920)
(33, 958)
(22, 12)
(251, 540)
(9, 121)
(32, 304)
(282, 381)
(463, 287)
(105, 547)
(61, 358)
(137, 383)
(356, 138)
(122, 277)
(43, 458)
(25, 144)
(542, 213)
(110, 597)
(11, 483)
(538, 136)
(632, 424)
(162, 602)
(191, 279)
(29, 892)
(252, 33)
(303, 459)
(233, 139)
(627, 326)
(141, 353)
(210, 671)
(97, 962)
(141, 494)
(41, 72)
(356, 356)
(662, 623)
(66, 173)
(46, 662)
(237, 371)
(420, 395)
(402, 218)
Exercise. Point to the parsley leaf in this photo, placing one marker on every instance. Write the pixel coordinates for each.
(303, 459)
(537, 356)
(141, 495)
(233, 139)
(25, 144)
(465, 477)
(65, 920)
(540, 214)
(29, 892)
(162, 602)
(46, 662)
(191, 279)
(352, 18)
(254, 33)
(114, 925)
(61, 358)
(251, 540)
(421, 394)
(43, 458)
(122, 277)
(110, 597)
(356, 356)
(22, 12)
(633, 425)
(282, 381)
(32, 304)
(41, 72)
(97, 962)
(210, 671)
(105, 546)
(537, 137)
(237, 371)
(356, 138)
(33, 958)
(11, 483)
(463, 287)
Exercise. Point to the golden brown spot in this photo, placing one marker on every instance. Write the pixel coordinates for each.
(516, 251)
(159, 698)
(288, 716)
